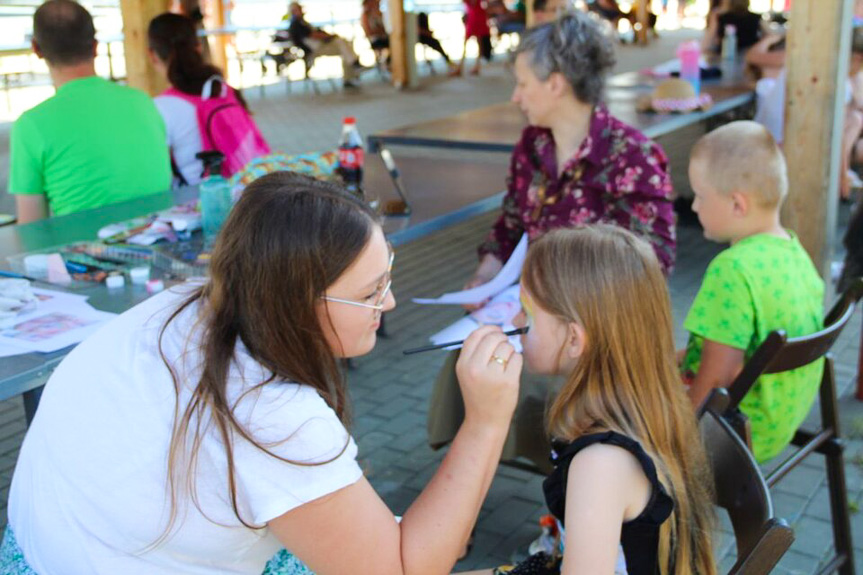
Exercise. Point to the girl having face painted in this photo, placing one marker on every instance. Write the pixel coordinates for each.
(630, 483)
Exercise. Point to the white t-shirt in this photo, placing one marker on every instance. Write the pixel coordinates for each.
(89, 494)
(770, 104)
(184, 136)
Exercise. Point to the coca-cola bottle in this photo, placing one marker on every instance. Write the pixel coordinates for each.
(351, 157)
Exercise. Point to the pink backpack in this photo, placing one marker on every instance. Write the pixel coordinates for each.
(225, 126)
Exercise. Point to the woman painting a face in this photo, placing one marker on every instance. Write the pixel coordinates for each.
(215, 416)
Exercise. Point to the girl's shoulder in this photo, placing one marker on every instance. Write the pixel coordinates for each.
(611, 457)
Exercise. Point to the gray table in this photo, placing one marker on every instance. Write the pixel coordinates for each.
(442, 193)
(498, 127)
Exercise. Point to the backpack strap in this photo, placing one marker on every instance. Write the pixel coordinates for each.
(207, 90)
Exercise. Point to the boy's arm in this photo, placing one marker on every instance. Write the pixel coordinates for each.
(720, 364)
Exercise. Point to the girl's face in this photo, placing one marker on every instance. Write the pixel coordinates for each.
(548, 344)
(351, 329)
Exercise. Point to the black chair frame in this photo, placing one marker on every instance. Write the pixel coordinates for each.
(762, 539)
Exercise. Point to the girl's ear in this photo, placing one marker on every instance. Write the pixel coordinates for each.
(576, 341)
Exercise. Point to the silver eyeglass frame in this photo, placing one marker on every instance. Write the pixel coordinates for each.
(379, 305)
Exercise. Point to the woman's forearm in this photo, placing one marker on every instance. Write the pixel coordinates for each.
(437, 525)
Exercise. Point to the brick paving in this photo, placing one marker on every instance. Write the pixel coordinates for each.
(390, 392)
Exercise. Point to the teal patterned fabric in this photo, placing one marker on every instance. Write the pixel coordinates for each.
(283, 563)
(12, 560)
(11, 557)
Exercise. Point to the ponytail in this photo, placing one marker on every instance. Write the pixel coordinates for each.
(174, 40)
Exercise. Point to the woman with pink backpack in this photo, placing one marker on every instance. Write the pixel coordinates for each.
(201, 111)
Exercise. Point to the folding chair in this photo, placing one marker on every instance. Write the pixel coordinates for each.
(762, 539)
(779, 353)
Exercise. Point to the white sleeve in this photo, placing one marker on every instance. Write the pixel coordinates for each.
(183, 135)
(164, 105)
(293, 422)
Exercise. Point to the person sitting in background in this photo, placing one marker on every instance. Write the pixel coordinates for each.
(94, 142)
(610, 10)
(765, 281)
(372, 22)
(316, 42)
(749, 26)
(767, 57)
(425, 36)
(175, 52)
(507, 21)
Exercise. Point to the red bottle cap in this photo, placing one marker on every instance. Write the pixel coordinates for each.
(349, 120)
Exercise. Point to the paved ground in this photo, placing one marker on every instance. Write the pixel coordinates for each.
(391, 392)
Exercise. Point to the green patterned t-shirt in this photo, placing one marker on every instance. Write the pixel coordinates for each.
(761, 284)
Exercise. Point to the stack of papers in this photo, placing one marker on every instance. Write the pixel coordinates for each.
(500, 293)
(59, 320)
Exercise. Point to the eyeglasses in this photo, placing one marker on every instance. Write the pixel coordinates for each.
(382, 294)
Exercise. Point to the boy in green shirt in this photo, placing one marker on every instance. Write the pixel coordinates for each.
(765, 281)
(93, 143)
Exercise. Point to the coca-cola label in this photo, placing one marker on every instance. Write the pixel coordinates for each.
(351, 158)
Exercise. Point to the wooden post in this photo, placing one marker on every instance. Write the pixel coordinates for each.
(528, 14)
(398, 43)
(642, 11)
(215, 14)
(817, 67)
(136, 17)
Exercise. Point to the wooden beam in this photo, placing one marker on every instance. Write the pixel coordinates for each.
(819, 45)
(528, 14)
(136, 18)
(398, 43)
(642, 10)
(215, 18)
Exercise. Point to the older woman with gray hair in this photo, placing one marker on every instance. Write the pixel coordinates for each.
(574, 165)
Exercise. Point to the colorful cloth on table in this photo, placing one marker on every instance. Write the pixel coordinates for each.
(617, 176)
(12, 560)
(93, 143)
(758, 285)
(318, 164)
(475, 19)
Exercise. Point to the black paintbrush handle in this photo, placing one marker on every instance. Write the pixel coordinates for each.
(411, 351)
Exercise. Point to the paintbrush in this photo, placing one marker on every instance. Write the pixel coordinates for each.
(518, 331)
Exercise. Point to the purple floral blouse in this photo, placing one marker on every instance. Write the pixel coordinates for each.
(617, 176)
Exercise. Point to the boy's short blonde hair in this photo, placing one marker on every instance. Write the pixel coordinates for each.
(743, 157)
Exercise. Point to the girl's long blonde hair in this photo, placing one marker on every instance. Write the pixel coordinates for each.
(608, 281)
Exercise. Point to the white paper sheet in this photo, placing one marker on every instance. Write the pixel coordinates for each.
(501, 310)
(507, 276)
(59, 320)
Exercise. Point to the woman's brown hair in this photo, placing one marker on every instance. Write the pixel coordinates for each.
(174, 39)
(287, 239)
(610, 282)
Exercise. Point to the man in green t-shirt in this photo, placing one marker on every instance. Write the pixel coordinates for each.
(764, 282)
(94, 142)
